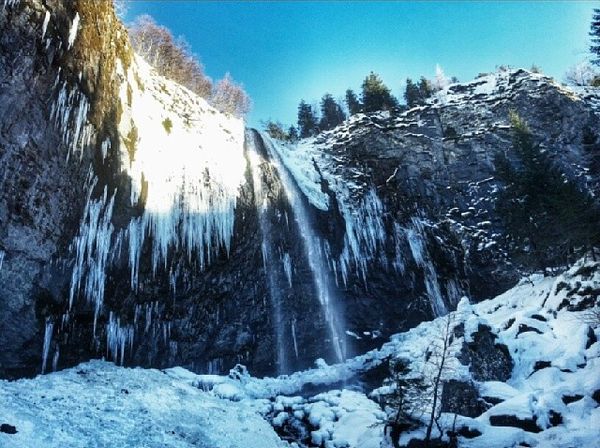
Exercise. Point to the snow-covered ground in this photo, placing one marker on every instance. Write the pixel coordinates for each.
(100, 405)
(544, 322)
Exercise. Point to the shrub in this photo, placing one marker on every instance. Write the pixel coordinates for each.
(581, 74)
(275, 130)
(168, 125)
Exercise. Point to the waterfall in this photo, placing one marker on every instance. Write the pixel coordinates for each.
(313, 247)
(260, 200)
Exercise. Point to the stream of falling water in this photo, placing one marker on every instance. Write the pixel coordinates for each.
(313, 250)
(256, 160)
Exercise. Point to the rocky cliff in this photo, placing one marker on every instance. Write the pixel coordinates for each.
(138, 223)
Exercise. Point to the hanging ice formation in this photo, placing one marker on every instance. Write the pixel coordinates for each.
(187, 176)
(365, 239)
(92, 247)
(191, 171)
(47, 342)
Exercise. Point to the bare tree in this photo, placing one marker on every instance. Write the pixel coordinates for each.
(230, 97)
(120, 7)
(441, 362)
(581, 74)
(172, 58)
(591, 316)
(415, 385)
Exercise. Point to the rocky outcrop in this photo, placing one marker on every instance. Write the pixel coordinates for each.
(487, 360)
(462, 397)
(432, 168)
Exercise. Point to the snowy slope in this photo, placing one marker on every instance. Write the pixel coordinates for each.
(100, 405)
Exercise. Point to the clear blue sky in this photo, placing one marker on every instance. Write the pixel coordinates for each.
(285, 51)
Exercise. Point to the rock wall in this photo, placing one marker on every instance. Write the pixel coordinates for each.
(432, 167)
(41, 198)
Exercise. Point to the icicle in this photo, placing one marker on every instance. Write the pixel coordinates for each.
(136, 314)
(2, 255)
(173, 281)
(64, 321)
(294, 337)
(55, 359)
(398, 262)
(92, 247)
(287, 267)
(148, 317)
(47, 342)
(118, 338)
(414, 235)
(11, 3)
(364, 234)
(265, 257)
(69, 113)
(45, 24)
(105, 148)
(73, 30)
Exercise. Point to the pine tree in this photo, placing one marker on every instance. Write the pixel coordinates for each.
(411, 94)
(293, 133)
(595, 35)
(376, 95)
(425, 89)
(354, 106)
(332, 114)
(275, 130)
(307, 120)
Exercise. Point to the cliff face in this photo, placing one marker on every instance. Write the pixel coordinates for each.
(138, 223)
(44, 52)
(432, 169)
